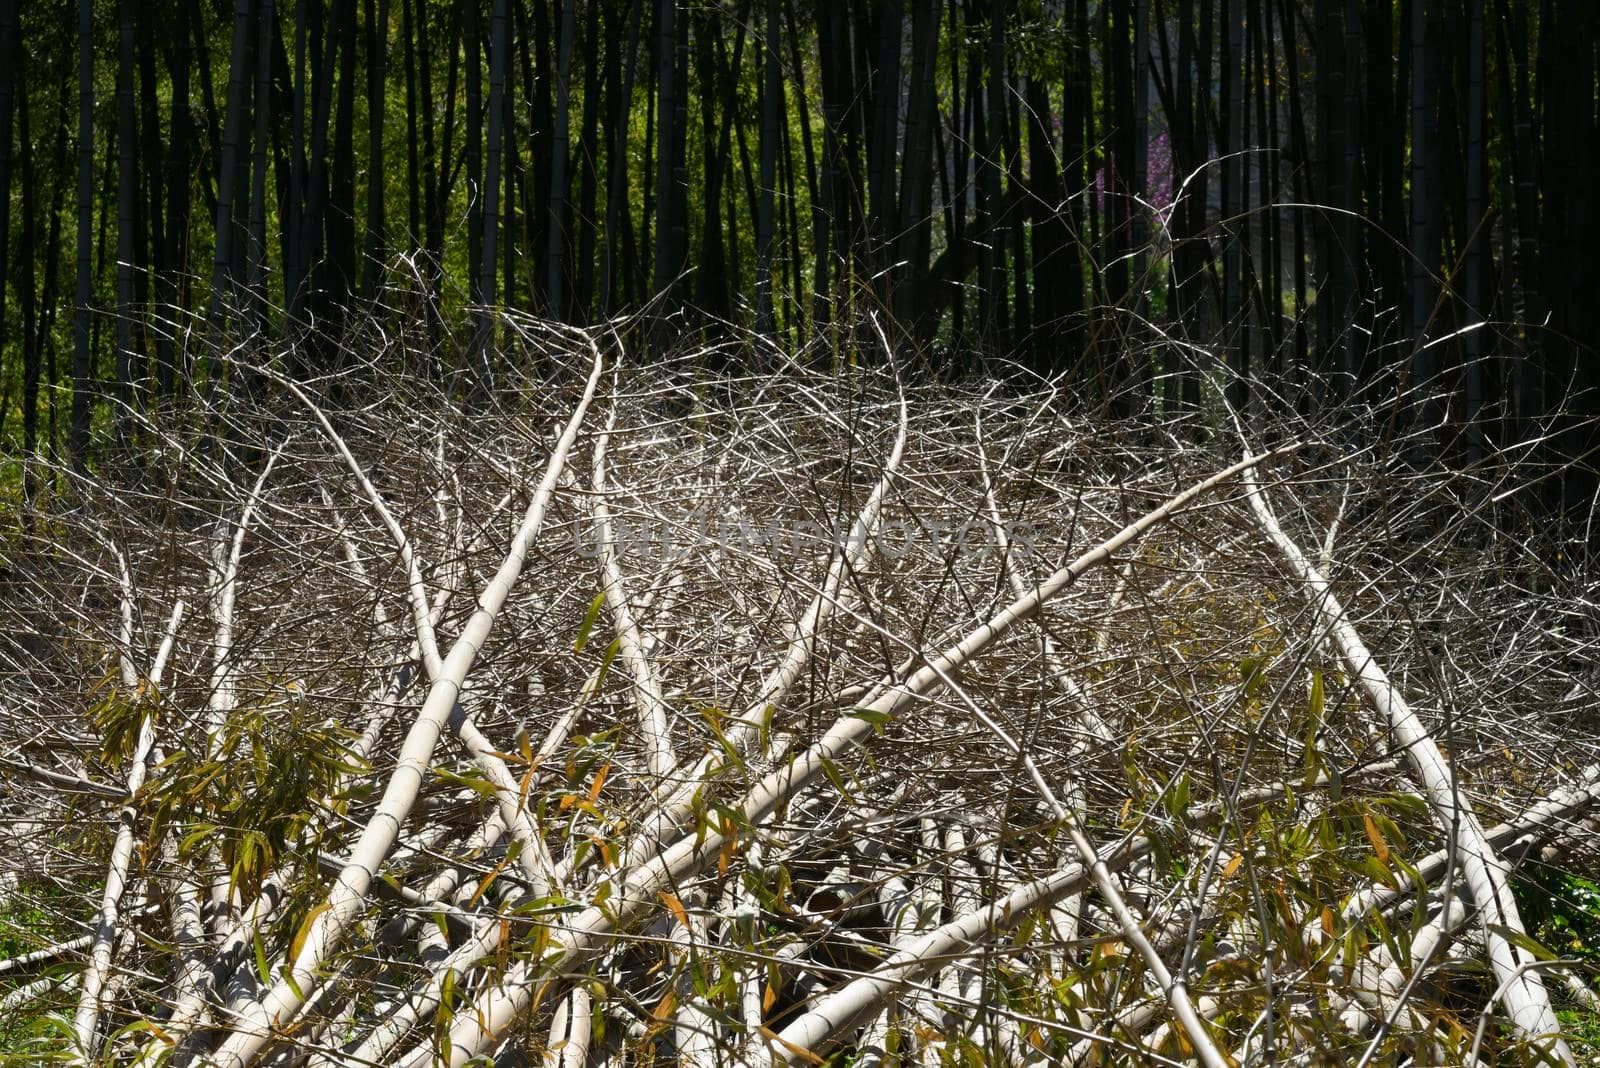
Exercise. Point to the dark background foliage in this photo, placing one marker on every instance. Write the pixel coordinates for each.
(1161, 201)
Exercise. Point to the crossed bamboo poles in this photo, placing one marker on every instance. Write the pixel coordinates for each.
(671, 847)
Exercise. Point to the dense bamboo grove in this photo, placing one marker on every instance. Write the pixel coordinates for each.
(1143, 195)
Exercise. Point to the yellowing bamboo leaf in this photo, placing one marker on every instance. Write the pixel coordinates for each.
(1379, 846)
(301, 935)
(599, 781)
(675, 907)
(799, 1051)
(730, 841)
(661, 1015)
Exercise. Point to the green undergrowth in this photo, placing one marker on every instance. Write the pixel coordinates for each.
(32, 917)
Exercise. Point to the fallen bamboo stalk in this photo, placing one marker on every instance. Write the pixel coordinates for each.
(647, 697)
(747, 728)
(1521, 989)
(860, 998)
(48, 953)
(221, 699)
(344, 903)
(482, 1025)
(91, 993)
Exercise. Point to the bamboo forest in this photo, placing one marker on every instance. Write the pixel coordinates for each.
(728, 533)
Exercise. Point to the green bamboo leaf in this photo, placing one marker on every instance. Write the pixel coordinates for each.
(263, 969)
(1522, 939)
(589, 618)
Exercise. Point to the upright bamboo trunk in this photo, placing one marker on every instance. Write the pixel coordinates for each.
(228, 171)
(883, 138)
(670, 228)
(1076, 109)
(377, 78)
(993, 304)
(915, 238)
(499, 64)
(179, 184)
(1233, 200)
(555, 256)
(1570, 227)
(1351, 231)
(342, 247)
(1421, 259)
(1187, 223)
(771, 89)
(1478, 247)
(8, 80)
(472, 45)
(27, 295)
(711, 280)
(127, 191)
(265, 33)
(594, 104)
(1301, 185)
(294, 265)
(619, 98)
(150, 232)
(1139, 226)
(82, 369)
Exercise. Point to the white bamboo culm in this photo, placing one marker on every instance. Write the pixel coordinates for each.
(1011, 565)
(38, 956)
(864, 997)
(187, 924)
(568, 1045)
(694, 1031)
(423, 998)
(221, 700)
(125, 665)
(414, 586)
(1173, 988)
(1064, 914)
(694, 1028)
(1541, 821)
(345, 902)
(481, 1026)
(534, 857)
(29, 992)
(647, 696)
(91, 994)
(1522, 989)
(744, 731)
(1378, 980)
(913, 958)
(229, 955)
(855, 554)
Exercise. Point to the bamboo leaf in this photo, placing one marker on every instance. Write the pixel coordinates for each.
(1521, 939)
(299, 940)
(675, 907)
(1379, 846)
(589, 619)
